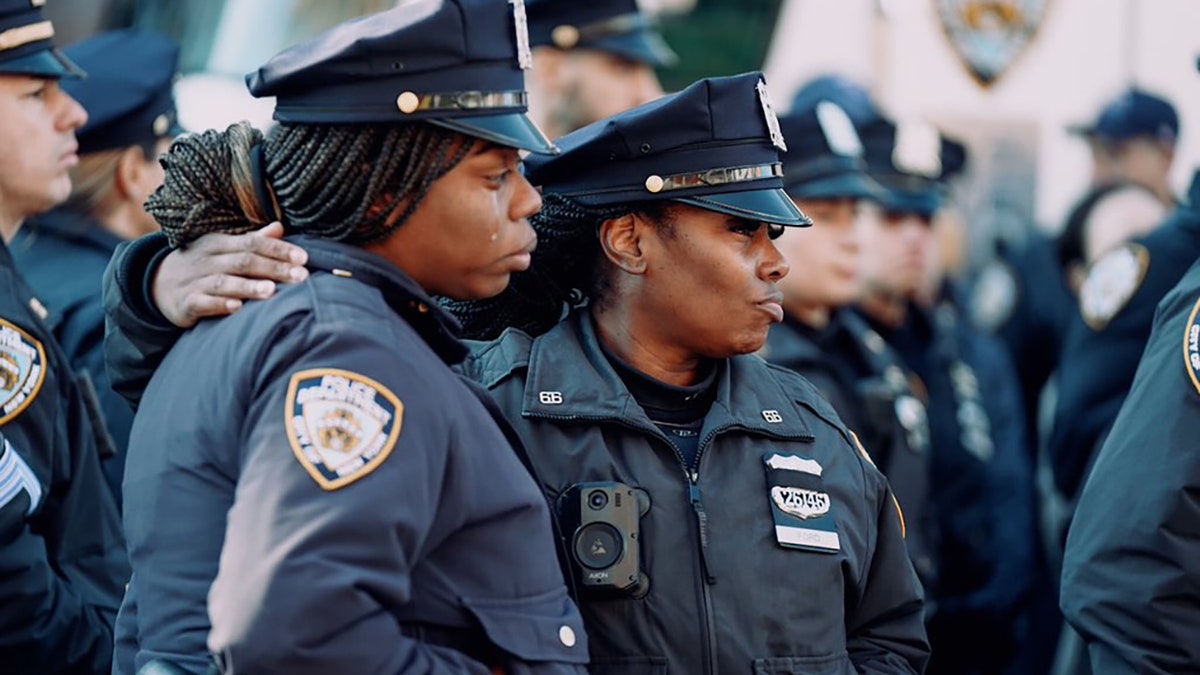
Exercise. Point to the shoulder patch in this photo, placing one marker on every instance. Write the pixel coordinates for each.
(1191, 347)
(22, 370)
(1111, 282)
(994, 298)
(341, 425)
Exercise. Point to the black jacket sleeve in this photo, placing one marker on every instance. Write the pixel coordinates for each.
(137, 336)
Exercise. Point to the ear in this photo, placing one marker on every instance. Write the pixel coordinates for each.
(131, 174)
(621, 241)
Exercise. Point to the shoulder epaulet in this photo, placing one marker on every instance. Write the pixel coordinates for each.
(491, 362)
(806, 394)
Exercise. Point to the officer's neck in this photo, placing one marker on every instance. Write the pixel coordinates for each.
(636, 341)
(8, 225)
(813, 316)
(885, 308)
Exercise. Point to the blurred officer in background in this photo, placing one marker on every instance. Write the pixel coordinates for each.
(310, 475)
(1133, 139)
(1106, 217)
(821, 337)
(63, 253)
(981, 477)
(591, 60)
(62, 563)
(663, 443)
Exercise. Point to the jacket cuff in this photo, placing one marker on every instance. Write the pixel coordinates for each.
(136, 268)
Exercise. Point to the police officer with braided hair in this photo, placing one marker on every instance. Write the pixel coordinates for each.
(310, 475)
(821, 337)
(718, 516)
(62, 560)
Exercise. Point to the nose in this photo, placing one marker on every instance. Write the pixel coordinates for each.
(526, 200)
(774, 265)
(70, 114)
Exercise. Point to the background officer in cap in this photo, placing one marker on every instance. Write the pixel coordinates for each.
(63, 253)
(62, 563)
(768, 543)
(981, 478)
(820, 336)
(591, 60)
(1133, 139)
(312, 466)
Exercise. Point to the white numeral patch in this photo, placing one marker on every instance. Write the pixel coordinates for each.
(550, 397)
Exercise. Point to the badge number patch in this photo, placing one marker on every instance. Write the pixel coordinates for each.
(22, 370)
(1191, 347)
(801, 507)
(341, 425)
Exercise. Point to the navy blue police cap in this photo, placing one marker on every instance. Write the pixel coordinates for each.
(912, 162)
(1132, 114)
(714, 145)
(824, 159)
(459, 64)
(27, 42)
(849, 95)
(128, 93)
(616, 27)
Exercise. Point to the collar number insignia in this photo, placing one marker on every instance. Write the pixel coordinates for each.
(22, 370)
(764, 98)
(989, 35)
(1111, 282)
(1191, 347)
(524, 54)
(341, 425)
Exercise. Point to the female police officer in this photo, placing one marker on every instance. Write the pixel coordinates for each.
(313, 459)
(717, 502)
(758, 540)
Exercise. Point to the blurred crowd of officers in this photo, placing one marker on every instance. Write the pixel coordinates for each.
(377, 431)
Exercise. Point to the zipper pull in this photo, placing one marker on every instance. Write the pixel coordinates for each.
(702, 521)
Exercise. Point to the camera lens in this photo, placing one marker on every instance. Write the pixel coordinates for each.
(598, 545)
(597, 499)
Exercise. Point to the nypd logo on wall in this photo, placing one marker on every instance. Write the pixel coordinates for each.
(22, 370)
(341, 425)
(989, 35)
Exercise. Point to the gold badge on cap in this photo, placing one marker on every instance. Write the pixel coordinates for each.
(564, 36)
(655, 183)
(162, 124)
(524, 55)
(37, 3)
(408, 102)
(764, 97)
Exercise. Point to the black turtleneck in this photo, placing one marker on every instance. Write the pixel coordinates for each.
(678, 411)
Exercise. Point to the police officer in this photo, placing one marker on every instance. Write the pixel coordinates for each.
(768, 543)
(62, 563)
(312, 467)
(63, 253)
(765, 536)
(820, 336)
(1108, 334)
(981, 478)
(591, 60)
(1131, 573)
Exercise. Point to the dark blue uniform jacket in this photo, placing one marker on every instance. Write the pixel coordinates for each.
(63, 256)
(245, 488)
(62, 560)
(1131, 573)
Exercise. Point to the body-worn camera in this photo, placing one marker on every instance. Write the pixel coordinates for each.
(601, 523)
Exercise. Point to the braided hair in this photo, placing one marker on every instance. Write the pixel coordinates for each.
(567, 271)
(351, 183)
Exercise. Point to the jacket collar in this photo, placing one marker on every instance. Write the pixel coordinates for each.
(72, 226)
(435, 325)
(569, 378)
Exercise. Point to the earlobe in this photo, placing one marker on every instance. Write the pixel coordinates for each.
(621, 241)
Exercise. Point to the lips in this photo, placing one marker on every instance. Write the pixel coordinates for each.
(70, 158)
(773, 305)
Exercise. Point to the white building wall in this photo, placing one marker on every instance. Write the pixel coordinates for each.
(1084, 54)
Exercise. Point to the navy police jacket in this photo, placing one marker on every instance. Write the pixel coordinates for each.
(1131, 572)
(62, 560)
(869, 387)
(343, 500)
(779, 551)
(63, 254)
(1101, 355)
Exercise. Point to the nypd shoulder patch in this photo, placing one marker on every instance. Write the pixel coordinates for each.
(994, 299)
(1191, 347)
(1111, 282)
(22, 370)
(341, 425)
